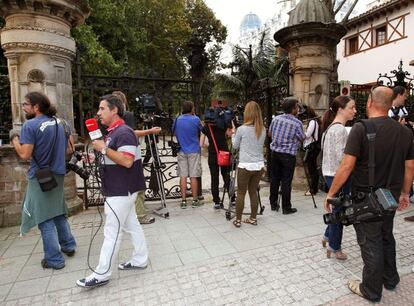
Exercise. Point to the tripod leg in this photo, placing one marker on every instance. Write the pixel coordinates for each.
(262, 207)
(156, 163)
(305, 168)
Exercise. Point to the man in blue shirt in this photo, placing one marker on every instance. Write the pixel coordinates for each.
(187, 128)
(44, 141)
(287, 133)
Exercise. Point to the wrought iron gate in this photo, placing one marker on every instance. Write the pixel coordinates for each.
(168, 95)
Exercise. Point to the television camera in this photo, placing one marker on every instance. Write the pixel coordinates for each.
(223, 116)
(71, 165)
(362, 207)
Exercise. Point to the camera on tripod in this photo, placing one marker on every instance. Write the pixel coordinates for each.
(147, 104)
(362, 207)
(71, 165)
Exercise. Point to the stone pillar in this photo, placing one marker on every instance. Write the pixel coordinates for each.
(312, 55)
(39, 50)
(312, 59)
(37, 44)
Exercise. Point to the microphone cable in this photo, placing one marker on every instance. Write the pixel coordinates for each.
(99, 167)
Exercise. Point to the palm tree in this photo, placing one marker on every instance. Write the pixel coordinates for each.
(248, 68)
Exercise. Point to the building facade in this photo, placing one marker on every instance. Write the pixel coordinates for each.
(376, 41)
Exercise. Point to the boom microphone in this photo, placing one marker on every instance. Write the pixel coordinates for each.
(93, 128)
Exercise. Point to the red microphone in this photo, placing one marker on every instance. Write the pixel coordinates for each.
(93, 128)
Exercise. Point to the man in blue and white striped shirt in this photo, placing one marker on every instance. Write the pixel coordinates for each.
(287, 133)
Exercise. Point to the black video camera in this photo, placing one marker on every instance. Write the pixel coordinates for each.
(71, 165)
(147, 104)
(363, 207)
(219, 116)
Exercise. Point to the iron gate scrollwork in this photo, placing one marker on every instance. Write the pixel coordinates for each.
(168, 95)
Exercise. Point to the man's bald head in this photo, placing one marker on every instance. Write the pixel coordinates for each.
(382, 97)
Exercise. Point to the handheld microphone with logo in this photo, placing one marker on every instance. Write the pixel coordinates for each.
(93, 128)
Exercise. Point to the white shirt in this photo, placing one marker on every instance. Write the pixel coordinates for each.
(312, 133)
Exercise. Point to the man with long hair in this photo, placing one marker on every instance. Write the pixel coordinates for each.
(44, 141)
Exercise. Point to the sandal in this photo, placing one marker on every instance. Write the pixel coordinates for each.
(237, 223)
(353, 285)
(250, 221)
(307, 193)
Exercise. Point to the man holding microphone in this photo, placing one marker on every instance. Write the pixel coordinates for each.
(122, 179)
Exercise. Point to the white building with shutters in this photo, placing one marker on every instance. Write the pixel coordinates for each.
(376, 41)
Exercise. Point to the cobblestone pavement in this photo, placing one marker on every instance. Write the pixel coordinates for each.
(197, 257)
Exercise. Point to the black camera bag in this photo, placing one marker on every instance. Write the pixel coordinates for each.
(175, 146)
(45, 176)
(369, 208)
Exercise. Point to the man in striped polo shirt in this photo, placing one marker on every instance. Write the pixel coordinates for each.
(122, 178)
(287, 133)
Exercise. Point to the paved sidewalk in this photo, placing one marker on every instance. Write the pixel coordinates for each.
(197, 257)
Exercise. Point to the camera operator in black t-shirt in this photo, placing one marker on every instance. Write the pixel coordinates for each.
(376, 238)
(221, 134)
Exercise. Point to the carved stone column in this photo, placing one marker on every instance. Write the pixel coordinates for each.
(39, 51)
(37, 44)
(312, 56)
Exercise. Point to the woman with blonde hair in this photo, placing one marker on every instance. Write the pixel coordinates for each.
(249, 139)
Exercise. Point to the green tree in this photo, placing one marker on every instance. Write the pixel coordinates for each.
(153, 33)
(249, 67)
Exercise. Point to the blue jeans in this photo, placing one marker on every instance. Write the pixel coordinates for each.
(56, 232)
(333, 232)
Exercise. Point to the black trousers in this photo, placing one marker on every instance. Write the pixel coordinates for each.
(282, 169)
(312, 169)
(214, 174)
(377, 244)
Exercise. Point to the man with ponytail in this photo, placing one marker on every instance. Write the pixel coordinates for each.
(44, 140)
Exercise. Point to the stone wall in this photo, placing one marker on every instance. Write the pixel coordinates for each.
(13, 187)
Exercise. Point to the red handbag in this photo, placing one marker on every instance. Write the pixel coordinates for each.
(223, 157)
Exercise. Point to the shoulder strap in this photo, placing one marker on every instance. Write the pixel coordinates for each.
(371, 134)
(212, 137)
(326, 132)
(314, 129)
(53, 146)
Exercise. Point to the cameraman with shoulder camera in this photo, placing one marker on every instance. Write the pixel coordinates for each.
(394, 168)
(220, 134)
(43, 140)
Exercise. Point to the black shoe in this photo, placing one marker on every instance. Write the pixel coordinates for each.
(92, 283)
(289, 211)
(217, 205)
(45, 265)
(69, 253)
(275, 207)
(390, 287)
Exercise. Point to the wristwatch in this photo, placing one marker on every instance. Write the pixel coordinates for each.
(103, 151)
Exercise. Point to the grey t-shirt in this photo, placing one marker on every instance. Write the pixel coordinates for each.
(251, 147)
